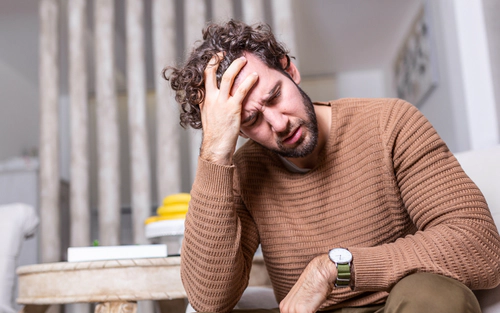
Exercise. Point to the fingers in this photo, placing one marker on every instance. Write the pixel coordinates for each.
(210, 73)
(211, 70)
(245, 87)
(230, 75)
(228, 79)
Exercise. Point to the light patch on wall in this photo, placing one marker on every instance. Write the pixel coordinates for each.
(320, 88)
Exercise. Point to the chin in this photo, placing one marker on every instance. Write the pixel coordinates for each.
(303, 149)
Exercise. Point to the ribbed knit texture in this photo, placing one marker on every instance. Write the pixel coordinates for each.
(386, 187)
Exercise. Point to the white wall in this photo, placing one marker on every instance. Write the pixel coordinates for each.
(18, 78)
(477, 78)
(454, 107)
(491, 10)
(462, 107)
(320, 88)
(18, 113)
(445, 107)
(361, 84)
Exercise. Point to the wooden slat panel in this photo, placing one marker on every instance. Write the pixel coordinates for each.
(49, 147)
(139, 147)
(253, 11)
(79, 167)
(194, 22)
(167, 123)
(222, 10)
(107, 125)
(283, 24)
(78, 93)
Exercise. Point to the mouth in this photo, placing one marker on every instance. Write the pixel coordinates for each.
(293, 137)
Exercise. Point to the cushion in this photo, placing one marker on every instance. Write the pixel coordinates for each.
(17, 222)
(483, 167)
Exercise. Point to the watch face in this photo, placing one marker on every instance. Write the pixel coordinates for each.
(339, 255)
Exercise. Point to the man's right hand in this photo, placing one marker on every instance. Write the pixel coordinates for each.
(221, 111)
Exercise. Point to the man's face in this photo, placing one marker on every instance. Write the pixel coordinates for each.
(276, 113)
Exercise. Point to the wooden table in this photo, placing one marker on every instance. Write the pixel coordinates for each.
(115, 285)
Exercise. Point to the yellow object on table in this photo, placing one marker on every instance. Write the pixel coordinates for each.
(174, 207)
(167, 227)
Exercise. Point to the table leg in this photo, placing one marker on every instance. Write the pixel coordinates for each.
(30, 308)
(116, 307)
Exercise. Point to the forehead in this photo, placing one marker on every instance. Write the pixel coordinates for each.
(254, 64)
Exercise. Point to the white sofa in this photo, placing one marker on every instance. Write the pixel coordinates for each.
(17, 222)
(483, 167)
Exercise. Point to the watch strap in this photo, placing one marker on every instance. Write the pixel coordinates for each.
(343, 275)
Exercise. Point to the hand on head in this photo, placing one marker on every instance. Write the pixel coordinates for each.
(221, 111)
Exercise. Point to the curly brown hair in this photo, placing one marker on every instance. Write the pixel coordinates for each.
(233, 38)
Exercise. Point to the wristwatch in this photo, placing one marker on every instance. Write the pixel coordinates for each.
(342, 259)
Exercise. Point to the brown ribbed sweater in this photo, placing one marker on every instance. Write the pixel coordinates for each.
(386, 187)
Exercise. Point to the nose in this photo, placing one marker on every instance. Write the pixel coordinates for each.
(277, 120)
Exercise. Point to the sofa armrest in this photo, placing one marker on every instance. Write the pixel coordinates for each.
(17, 222)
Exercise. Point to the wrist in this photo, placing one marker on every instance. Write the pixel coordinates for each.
(219, 153)
(220, 159)
(353, 279)
(214, 156)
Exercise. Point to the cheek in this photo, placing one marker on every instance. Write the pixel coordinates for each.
(291, 104)
(260, 134)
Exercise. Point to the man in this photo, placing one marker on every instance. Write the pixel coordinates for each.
(357, 203)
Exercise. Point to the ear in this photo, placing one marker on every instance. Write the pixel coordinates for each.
(291, 69)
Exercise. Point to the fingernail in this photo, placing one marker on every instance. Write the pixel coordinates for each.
(243, 58)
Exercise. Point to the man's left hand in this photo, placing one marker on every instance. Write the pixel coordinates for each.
(312, 288)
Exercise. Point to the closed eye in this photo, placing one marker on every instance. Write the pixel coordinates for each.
(272, 99)
(250, 120)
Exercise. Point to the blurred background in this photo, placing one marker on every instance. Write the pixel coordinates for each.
(441, 55)
(344, 48)
(96, 65)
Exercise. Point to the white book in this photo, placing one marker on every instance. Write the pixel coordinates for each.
(100, 253)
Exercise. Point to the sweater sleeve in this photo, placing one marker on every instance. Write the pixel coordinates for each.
(455, 234)
(220, 239)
